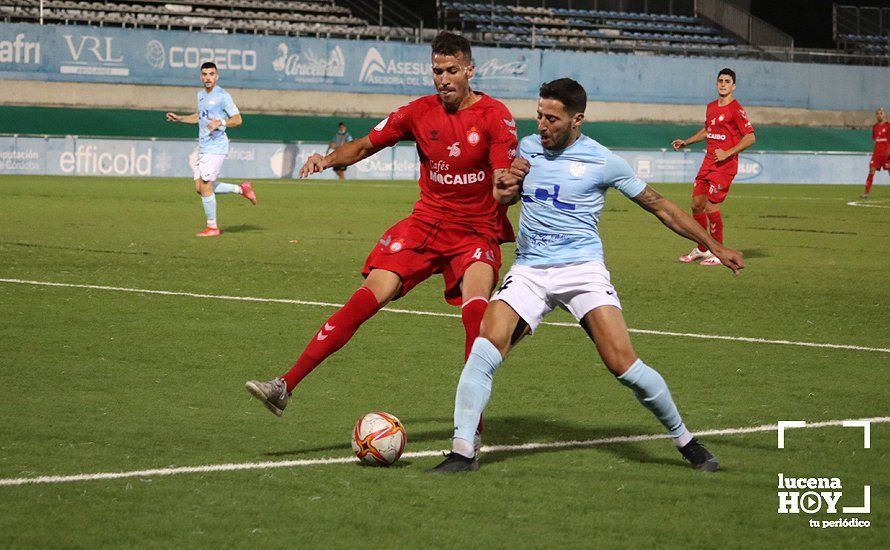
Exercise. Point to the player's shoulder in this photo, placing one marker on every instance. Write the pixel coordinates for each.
(423, 104)
(491, 104)
(219, 90)
(531, 144)
(591, 148)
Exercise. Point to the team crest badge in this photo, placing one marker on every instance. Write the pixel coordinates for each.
(397, 245)
(473, 136)
(577, 168)
(720, 118)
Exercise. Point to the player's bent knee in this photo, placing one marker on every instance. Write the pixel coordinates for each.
(620, 362)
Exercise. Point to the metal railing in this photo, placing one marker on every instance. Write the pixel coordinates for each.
(399, 18)
(861, 20)
(753, 30)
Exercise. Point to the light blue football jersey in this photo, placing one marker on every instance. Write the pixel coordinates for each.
(562, 197)
(218, 105)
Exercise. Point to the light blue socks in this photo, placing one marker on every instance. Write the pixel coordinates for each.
(652, 391)
(209, 203)
(474, 388)
(221, 188)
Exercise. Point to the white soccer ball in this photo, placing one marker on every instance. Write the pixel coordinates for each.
(378, 439)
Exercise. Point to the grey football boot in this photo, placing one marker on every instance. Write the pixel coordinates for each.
(700, 458)
(455, 464)
(273, 394)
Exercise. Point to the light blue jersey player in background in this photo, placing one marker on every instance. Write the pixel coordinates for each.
(216, 112)
(562, 177)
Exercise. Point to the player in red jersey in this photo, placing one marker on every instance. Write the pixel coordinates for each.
(880, 157)
(465, 140)
(729, 132)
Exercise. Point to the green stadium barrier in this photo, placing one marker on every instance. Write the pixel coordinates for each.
(132, 123)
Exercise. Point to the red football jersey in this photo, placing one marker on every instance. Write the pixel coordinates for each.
(458, 152)
(880, 133)
(725, 126)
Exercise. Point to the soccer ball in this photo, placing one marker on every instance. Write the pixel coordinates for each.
(378, 439)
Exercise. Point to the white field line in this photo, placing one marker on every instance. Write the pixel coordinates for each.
(867, 205)
(210, 468)
(435, 314)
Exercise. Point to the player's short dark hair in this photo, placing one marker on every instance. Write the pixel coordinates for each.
(341, 124)
(569, 92)
(447, 43)
(209, 65)
(729, 72)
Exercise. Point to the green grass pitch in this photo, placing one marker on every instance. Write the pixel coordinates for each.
(98, 381)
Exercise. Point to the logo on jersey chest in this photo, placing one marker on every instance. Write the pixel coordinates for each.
(473, 136)
(577, 169)
(454, 149)
(434, 135)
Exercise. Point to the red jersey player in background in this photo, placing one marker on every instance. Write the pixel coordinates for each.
(465, 140)
(728, 132)
(880, 157)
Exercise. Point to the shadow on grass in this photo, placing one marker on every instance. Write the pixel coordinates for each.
(243, 228)
(756, 253)
(518, 430)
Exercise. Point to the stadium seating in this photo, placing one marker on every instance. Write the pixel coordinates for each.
(502, 24)
(306, 17)
(865, 43)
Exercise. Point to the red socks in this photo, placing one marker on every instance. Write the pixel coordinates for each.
(702, 220)
(715, 221)
(868, 181)
(334, 334)
(471, 313)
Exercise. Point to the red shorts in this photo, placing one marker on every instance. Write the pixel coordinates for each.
(880, 159)
(415, 250)
(712, 183)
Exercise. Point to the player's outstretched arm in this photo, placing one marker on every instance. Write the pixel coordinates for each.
(186, 119)
(345, 155)
(684, 225)
(696, 137)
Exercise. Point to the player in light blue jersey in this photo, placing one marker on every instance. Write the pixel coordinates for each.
(561, 176)
(216, 112)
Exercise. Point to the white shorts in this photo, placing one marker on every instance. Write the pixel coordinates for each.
(208, 166)
(578, 288)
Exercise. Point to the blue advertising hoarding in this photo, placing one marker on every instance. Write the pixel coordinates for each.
(145, 56)
(71, 156)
